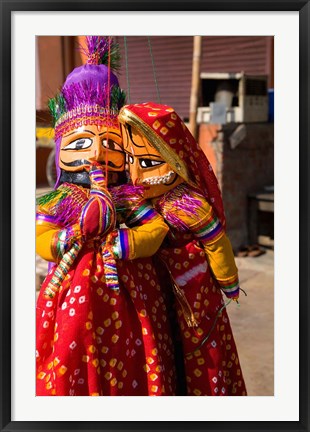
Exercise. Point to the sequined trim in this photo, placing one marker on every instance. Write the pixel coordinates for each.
(124, 243)
(85, 115)
(144, 214)
(230, 287)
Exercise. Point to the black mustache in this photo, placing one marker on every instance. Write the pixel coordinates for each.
(78, 162)
(81, 162)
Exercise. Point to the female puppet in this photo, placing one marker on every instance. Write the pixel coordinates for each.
(102, 326)
(166, 160)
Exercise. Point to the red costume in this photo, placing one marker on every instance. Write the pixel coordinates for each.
(102, 326)
(167, 161)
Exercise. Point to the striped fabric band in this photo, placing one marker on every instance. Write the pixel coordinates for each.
(63, 239)
(141, 215)
(97, 176)
(83, 216)
(62, 270)
(123, 243)
(110, 269)
(107, 212)
(41, 218)
(104, 195)
(61, 244)
(210, 231)
(116, 247)
(230, 287)
(106, 198)
(54, 246)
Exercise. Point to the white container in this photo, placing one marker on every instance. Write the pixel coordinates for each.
(245, 97)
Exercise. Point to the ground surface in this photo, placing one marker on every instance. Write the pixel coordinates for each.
(253, 325)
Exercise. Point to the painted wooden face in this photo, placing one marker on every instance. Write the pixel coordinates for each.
(78, 149)
(146, 165)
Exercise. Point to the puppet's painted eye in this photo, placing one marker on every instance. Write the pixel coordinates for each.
(130, 158)
(79, 144)
(148, 163)
(111, 145)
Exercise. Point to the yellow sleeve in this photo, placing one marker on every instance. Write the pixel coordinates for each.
(46, 227)
(209, 231)
(45, 235)
(144, 233)
(140, 241)
(52, 238)
(221, 258)
(52, 241)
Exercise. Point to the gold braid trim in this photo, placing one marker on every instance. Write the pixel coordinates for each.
(180, 296)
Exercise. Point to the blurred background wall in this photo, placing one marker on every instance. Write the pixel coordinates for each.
(58, 55)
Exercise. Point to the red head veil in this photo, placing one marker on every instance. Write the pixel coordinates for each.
(167, 133)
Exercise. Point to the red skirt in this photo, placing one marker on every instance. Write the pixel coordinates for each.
(93, 340)
(211, 361)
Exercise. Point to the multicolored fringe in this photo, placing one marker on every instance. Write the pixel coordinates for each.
(178, 199)
(126, 197)
(63, 206)
(110, 268)
(62, 270)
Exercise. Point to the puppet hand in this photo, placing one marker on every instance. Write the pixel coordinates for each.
(98, 216)
(97, 177)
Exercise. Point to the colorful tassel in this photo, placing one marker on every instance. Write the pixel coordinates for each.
(62, 270)
(109, 267)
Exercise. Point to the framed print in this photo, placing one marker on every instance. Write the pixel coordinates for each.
(285, 405)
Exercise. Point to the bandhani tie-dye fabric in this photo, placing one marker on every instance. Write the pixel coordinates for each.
(198, 255)
(188, 212)
(93, 340)
(211, 359)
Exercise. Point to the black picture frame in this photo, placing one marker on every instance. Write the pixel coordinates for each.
(7, 7)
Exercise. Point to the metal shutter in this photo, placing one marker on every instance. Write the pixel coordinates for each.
(173, 63)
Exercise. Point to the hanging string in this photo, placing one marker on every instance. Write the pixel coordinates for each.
(154, 71)
(108, 110)
(127, 71)
(212, 328)
(243, 291)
